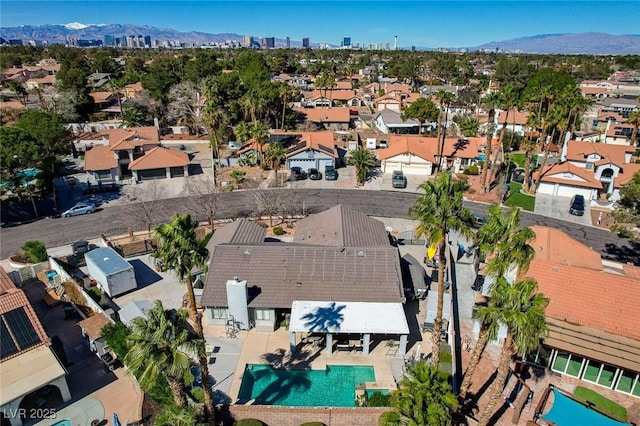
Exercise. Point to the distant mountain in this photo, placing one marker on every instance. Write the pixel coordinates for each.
(584, 43)
(77, 30)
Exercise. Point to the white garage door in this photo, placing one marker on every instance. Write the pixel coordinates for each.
(390, 166)
(570, 191)
(416, 169)
(546, 188)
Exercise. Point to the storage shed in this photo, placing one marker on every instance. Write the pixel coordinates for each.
(111, 271)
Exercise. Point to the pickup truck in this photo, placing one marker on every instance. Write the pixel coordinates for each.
(398, 180)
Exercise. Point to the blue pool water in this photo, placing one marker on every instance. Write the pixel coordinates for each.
(333, 387)
(26, 176)
(380, 391)
(566, 412)
(64, 422)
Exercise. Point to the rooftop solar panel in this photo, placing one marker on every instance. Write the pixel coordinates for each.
(21, 328)
(7, 346)
(298, 146)
(325, 149)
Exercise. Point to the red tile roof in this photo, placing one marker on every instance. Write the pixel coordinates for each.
(99, 97)
(520, 117)
(11, 105)
(554, 174)
(425, 148)
(326, 115)
(581, 292)
(335, 94)
(314, 140)
(579, 151)
(131, 137)
(98, 158)
(158, 158)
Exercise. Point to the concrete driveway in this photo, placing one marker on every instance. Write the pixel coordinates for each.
(558, 207)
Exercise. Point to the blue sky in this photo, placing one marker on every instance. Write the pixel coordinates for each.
(419, 23)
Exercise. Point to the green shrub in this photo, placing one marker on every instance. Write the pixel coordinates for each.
(95, 294)
(472, 170)
(35, 251)
(378, 399)
(278, 231)
(198, 394)
(445, 357)
(249, 422)
(116, 337)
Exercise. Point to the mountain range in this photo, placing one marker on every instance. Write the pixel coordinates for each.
(584, 43)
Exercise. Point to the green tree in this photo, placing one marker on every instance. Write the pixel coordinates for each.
(469, 127)
(181, 251)
(628, 211)
(324, 82)
(260, 135)
(446, 99)
(423, 398)
(274, 154)
(35, 251)
(159, 346)
(508, 245)
(134, 115)
(49, 131)
(116, 335)
(363, 160)
(243, 131)
(422, 109)
(440, 211)
(634, 119)
(160, 76)
(522, 310)
(18, 148)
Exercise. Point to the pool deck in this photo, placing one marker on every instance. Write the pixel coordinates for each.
(272, 348)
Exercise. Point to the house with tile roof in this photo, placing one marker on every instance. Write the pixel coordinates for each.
(106, 102)
(160, 162)
(335, 97)
(624, 106)
(620, 134)
(388, 102)
(390, 121)
(340, 263)
(515, 121)
(327, 118)
(589, 169)
(28, 364)
(592, 316)
(312, 150)
(131, 91)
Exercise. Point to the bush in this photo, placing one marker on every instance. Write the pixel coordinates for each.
(249, 422)
(472, 170)
(445, 357)
(378, 399)
(278, 231)
(35, 251)
(116, 337)
(95, 294)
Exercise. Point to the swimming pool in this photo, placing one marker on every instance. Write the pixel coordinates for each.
(333, 387)
(566, 411)
(26, 176)
(64, 422)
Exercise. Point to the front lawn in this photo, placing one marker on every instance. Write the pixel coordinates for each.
(602, 404)
(517, 198)
(518, 158)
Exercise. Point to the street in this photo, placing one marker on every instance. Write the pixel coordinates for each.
(117, 219)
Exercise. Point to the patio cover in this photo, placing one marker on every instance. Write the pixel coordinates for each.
(348, 317)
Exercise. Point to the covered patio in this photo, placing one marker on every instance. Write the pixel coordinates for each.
(344, 320)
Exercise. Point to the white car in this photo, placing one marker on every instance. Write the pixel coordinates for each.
(80, 208)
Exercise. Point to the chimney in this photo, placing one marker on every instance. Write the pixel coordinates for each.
(237, 299)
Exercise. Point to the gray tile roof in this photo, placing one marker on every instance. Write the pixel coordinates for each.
(392, 118)
(240, 231)
(279, 273)
(341, 226)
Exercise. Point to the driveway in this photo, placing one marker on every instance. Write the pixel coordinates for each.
(558, 207)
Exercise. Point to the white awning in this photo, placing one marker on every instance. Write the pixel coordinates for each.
(348, 317)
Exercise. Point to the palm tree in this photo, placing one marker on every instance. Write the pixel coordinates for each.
(260, 134)
(492, 100)
(634, 118)
(274, 154)
(243, 131)
(217, 120)
(159, 347)
(445, 98)
(522, 310)
(180, 249)
(364, 160)
(501, 237)
(423, 398)
(510, 98)
(440, 211)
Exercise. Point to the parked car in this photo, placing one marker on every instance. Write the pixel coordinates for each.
(296, 174)
(79, 248)
(80, 208)
(398, 180)
(330, 173)
(314, 174)
(577, 205)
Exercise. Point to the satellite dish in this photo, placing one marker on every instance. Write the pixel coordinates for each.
(388, 229)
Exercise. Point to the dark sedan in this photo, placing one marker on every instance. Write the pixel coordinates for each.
(314, 174)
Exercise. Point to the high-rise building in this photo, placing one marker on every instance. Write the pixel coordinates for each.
(346, 41)
(288, 42)
(305, 43)
(109, 40)
(270, 42)
(147, 41)
(246, 41)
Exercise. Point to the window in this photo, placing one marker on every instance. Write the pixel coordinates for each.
(218, 313)
(575, 366)
(592, 371)
(263, 314)
(607, 375)
(561, 361)
(626, 381)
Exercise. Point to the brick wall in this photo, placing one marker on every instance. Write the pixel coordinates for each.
(295, 416)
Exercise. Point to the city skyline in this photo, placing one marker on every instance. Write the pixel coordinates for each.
(437, 24)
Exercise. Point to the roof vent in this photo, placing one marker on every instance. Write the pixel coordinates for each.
(247, 252)
(106, 259)
(299, 284)
(360, 253)
(235, 278)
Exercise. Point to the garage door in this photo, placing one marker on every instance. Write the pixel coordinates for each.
(177, 171)
(416, 169)
(570, 191)
(152, 174)
(546, 188)
(390, 166)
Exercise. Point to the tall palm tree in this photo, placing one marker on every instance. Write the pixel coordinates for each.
(274, 154)
(159, 346)
(217, 121)
(180, 250)
(508, 243)
(423, 398)
(260, 134)
(509, 100)
(634, 118)
(491, 101)
(243, 131)
(440, 211)
(445, 98)
(364, 160)
(522, 310)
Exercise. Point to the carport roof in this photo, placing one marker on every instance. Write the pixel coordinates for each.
(348, 317)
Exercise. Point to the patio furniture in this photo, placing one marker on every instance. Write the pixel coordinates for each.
(392, 347)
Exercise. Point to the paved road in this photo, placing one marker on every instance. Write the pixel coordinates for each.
(116, 219)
